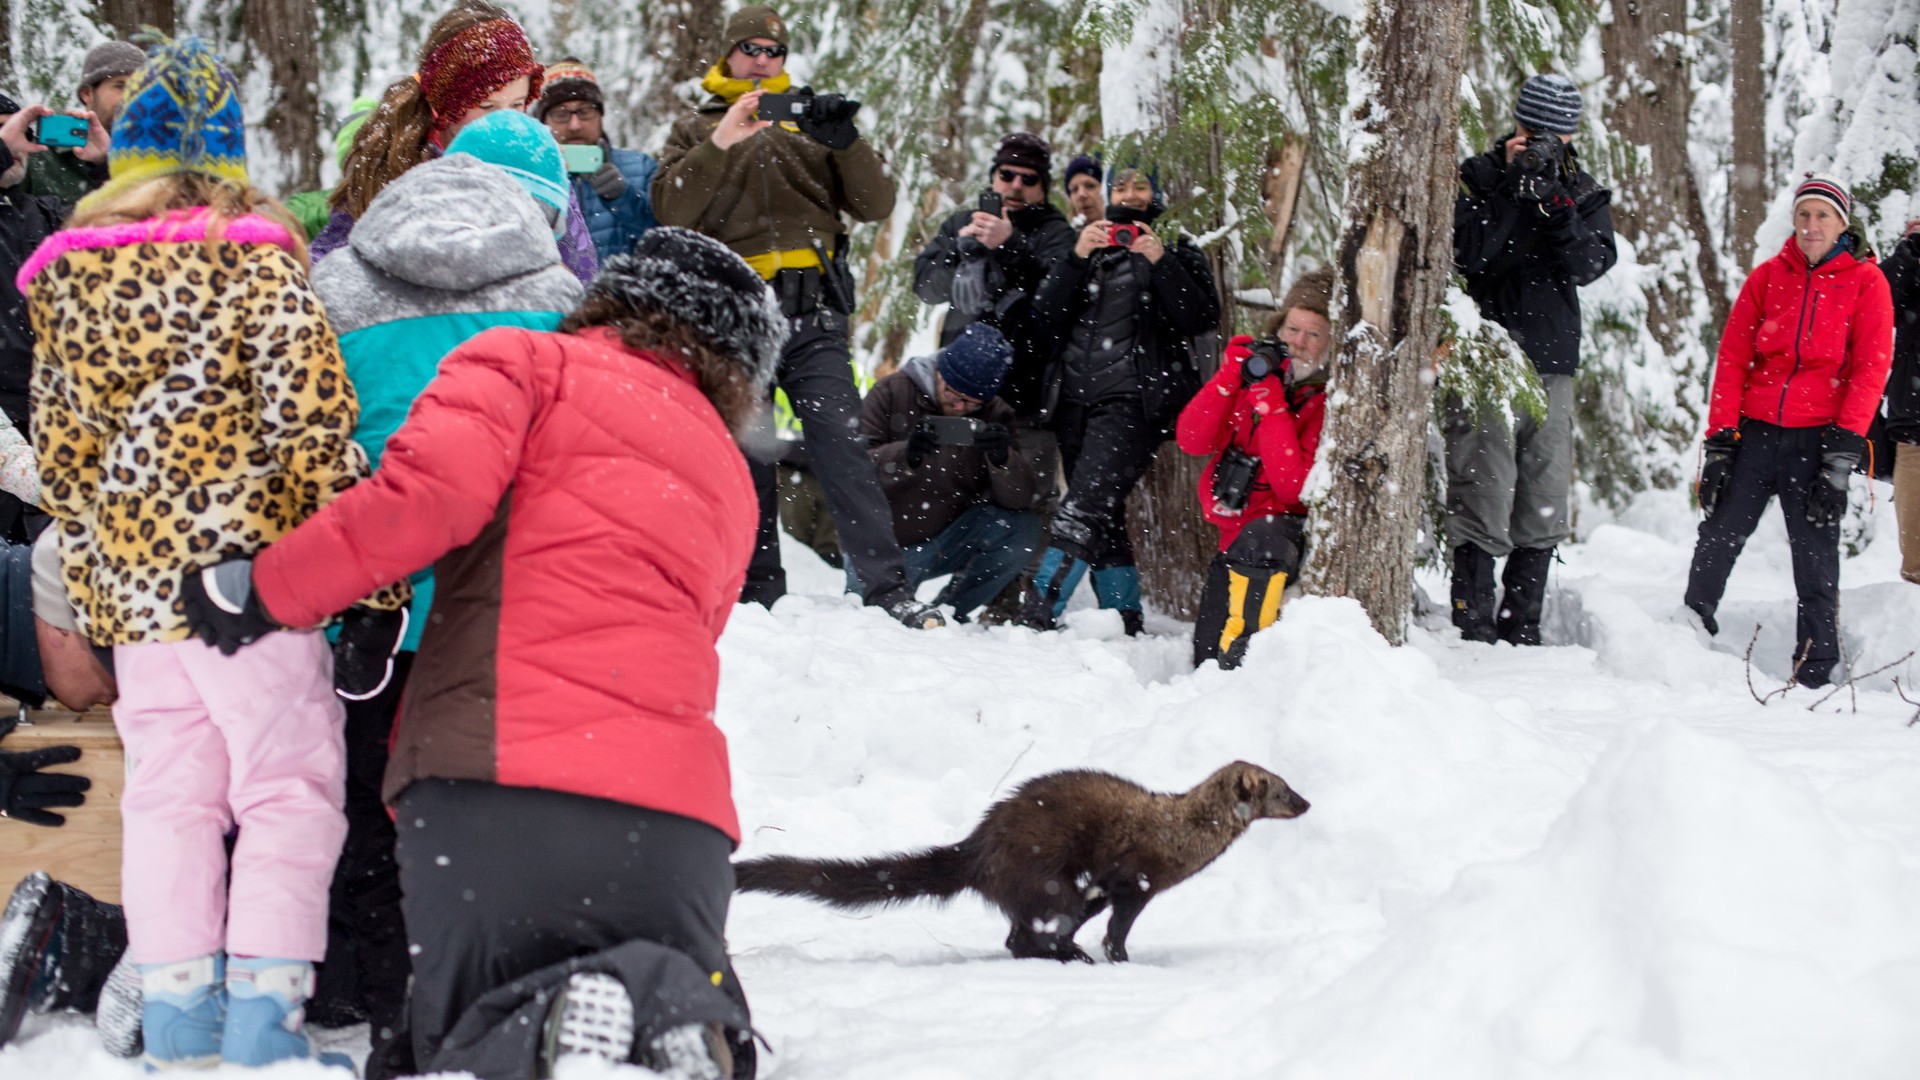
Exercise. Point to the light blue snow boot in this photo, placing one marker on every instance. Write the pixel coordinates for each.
(267, 1013)
(182, 1013)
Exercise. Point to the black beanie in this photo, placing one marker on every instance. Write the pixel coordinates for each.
(8, 106)
(1088, 164)
(1024, 150)
(699, 281)
(976, 362)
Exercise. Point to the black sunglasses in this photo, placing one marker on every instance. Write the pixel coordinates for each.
(1008, 176)
(775, 51)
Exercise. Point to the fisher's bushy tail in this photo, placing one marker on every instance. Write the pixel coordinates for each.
(939, 873)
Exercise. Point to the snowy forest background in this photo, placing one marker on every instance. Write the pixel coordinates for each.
(1699, 113)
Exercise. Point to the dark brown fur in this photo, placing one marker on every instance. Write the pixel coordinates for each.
(1054, 854)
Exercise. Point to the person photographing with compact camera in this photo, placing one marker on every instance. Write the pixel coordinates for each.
(950, 461)
(1529, 228)
(1258, 421)
(771, 173)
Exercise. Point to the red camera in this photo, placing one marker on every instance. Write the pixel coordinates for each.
(1122, 235)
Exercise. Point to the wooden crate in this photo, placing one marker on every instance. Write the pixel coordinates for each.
(85, 852)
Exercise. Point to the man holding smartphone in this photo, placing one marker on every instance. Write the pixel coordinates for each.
(64, 173)
(950, 461)
(612, 183)
(778, 193)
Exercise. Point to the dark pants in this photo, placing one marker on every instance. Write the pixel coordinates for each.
(366, 969)
(1784, 462)
(1244, 586)
(985, 548)
(1106, 448)
(815, 372)
(507, 889)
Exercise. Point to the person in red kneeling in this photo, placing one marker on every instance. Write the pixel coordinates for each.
(561, 791)
(1801, 368)
(1259, 421)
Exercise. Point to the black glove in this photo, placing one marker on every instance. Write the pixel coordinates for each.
(920, 443)
(1717, 469)
(995, 441)
(26, 793)
(363, 655)
(1840, 451)
(608, 182)
(222, 607)
(829, 120)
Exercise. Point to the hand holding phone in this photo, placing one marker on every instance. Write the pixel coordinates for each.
(61, 130)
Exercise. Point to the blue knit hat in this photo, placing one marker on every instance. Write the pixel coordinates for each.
(976, 362)
(523, 147)
(1082, 163)
(1548, 105)
(181, 114)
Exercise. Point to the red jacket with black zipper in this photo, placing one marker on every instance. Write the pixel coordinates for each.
(1805, 346)
(1274, 422)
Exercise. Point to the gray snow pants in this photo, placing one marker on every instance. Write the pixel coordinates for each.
(1508, 490)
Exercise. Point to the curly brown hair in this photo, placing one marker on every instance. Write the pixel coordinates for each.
(723, 380)
(395, 138)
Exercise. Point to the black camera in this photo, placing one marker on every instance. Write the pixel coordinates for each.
(990, 203)
(1542, 156)
(1267, 357)
(1233, 476)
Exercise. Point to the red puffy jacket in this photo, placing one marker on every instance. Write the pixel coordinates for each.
(1280, 426)
(589, 520)
(1805, 347)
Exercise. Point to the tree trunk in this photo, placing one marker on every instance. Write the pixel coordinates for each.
(287, 33)
(1747, 195)
(1280, 191)
(1395, 260)
(952, 161)
(685, 36)
(1656, 205)
(128, 16)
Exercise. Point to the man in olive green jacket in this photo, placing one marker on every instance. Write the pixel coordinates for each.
(776, 193)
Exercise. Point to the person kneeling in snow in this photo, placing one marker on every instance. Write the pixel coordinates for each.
(961, 490)
(1799, 376)
(590, 520)
(1259, 420)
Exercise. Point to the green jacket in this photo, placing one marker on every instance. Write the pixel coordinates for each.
(62, 175)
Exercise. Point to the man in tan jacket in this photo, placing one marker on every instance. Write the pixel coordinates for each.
(776, 193)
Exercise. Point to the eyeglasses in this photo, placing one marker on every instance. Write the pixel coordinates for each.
(572, 116)
(956, 399)
(1008, 176)
(775, 51)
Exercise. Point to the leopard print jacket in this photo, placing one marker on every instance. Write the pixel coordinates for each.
(189, 405)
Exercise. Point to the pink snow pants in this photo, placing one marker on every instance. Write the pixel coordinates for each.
(255, 740)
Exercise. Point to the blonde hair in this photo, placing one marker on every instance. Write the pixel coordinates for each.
(225, 200)
(395, 138)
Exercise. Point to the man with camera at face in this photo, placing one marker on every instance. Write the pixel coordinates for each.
(771, 173)
(950, 460)
(1258, 422)
(1529, 228)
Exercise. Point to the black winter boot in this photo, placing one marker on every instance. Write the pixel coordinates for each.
(1525, 580)
(1473, 594)
(57, 946)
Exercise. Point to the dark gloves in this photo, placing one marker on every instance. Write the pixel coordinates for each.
(608, 182)
(26, 794)
(995, 441)
(1840, 452)
(1717, 469)
(829, 120)
(920, 443)
(363, 655)
(222, 607)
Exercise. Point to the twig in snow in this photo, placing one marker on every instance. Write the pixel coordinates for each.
(1010, 768)
(1793, 680)
(1908, 700)
(1851, 677)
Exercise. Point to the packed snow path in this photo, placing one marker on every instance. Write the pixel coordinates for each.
(1599, 859)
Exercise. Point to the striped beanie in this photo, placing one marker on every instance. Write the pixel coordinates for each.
(523, 147)
(1548, 105)
(473, 64)
(181, 114)
(1825, 186)
(569, 80)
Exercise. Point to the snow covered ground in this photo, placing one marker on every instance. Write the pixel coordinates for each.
(1600, 859)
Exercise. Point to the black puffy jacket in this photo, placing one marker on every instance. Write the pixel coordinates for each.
(1902, 267)
(25, 220)
(1524, 267)
(1041, 239)
(1175, 303)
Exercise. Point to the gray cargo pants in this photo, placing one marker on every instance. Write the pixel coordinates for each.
(1508, 489)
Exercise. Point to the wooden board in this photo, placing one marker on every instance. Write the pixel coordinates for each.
(85, 852)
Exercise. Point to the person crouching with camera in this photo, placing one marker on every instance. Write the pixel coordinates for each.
(1258, 421)
(953, 470)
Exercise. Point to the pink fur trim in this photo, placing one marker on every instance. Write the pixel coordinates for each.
(179, 227)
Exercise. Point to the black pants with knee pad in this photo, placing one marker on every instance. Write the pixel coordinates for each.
(1244, 587)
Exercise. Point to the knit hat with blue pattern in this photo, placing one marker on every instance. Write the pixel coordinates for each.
(181, 114)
